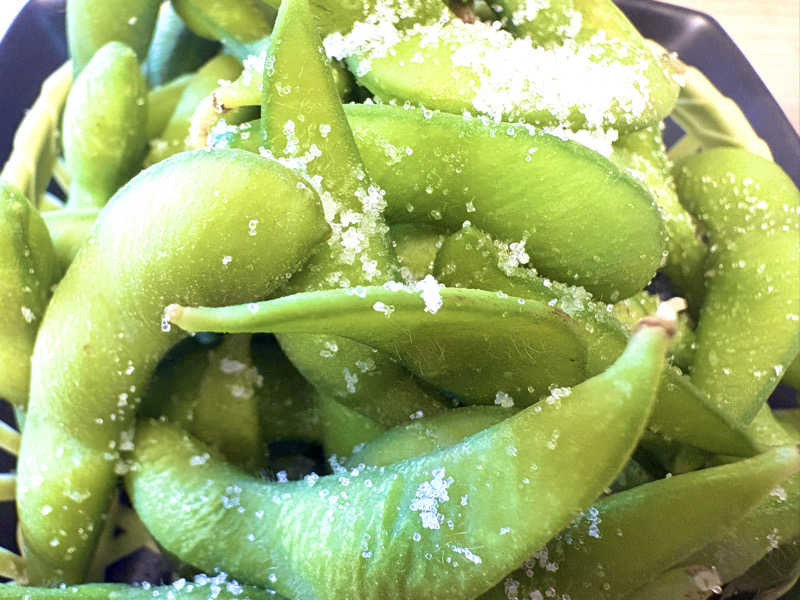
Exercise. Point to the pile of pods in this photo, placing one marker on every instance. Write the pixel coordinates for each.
(425, 231)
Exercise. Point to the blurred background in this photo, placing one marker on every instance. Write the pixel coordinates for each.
(767, 31)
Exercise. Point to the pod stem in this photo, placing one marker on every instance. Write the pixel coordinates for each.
(9, 439)
(12, 566)
(711, 119)
(35, 145)
(666, 316)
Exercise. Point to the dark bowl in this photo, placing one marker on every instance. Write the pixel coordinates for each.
(35, 45)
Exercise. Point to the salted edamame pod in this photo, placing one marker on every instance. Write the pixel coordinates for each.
(748, 331)
(520, 347)
(422, 527)
(91, 24)
(618, 542)
(359, 250)
(104, 126)
(98, 347)
(202, 588)
(237, 21)
(27, 270)
(69, 229)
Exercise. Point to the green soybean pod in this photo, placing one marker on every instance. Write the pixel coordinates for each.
(104, 126)
(619, 543)
(211, 392)
(643, 155)
(544, 23)
(416, 246)
(91, 24)
(27, 270)
(202, 588)
(792, 375)
(520, 186)
(359, 250)
(344, 429)
(194, 227)
(175, 50)
(161, 103)
(425, 527)
(471, 259)
(748, 331)
(69, 229)
(239, 21)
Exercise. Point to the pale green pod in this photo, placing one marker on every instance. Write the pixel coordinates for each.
(69, 229)
(425, 527)
(105, 126)
(91, 24)
(194, 227)
(238, 21)
(27, 271)
(748, 331)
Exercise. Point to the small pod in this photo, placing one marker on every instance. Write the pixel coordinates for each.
(69, 229)
(27, 271)
(197, 226)
(175, 50)
(91, 24)
(748, 331)
(104, 126)
(236, 21)
(385, 532)
(211, 393)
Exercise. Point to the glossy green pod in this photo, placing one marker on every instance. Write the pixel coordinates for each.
(175, 50)
(239, 21)
(318, 139)
(748, 331)
(520, 186)
(632, 536)
(27, 272)
(91, 24)
(104, 126)
(161, 103)
(642, 154)
(522, 347)
(211, 393)
(425, 527)
(102, 335)
(472, 259)
(531, 189)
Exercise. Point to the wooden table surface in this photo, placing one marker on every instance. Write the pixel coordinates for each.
(767, 31)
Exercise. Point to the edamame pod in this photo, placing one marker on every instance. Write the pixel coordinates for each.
(521, 348)
(471, 259)
(104, 126)
(454, 66)
(196, 226)
(416, 246)
(238, 21)
(642, 154)
(426, 527)
(359, 250)
(344, 429)
(175, 50)
(202, 588)
(161, 103)
(749, 326)
(91, 24)
(27, 270)
(69, 229)
(617, 543)
(531, 189)
(211, 393)
(545, 23)
(541, 193)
